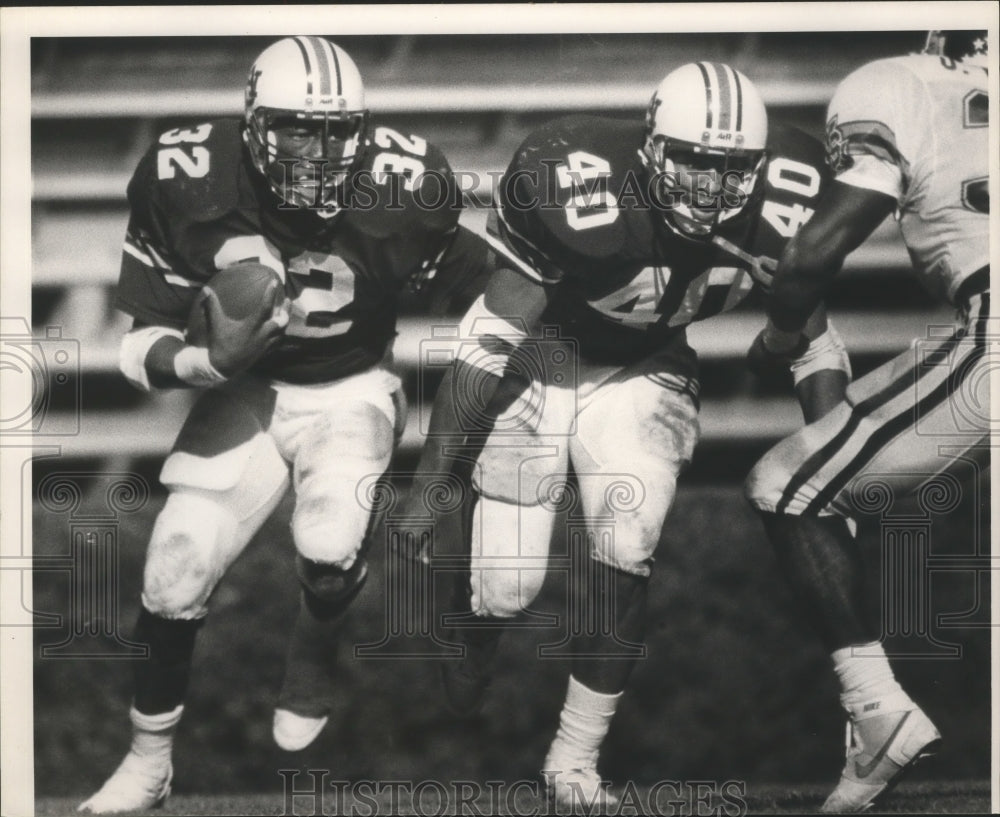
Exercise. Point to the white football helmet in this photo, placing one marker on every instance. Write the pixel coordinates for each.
(311, 82)
(706, 133)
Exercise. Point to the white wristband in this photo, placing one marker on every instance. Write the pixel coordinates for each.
(134, 349)
(191, 364)
(824, 352)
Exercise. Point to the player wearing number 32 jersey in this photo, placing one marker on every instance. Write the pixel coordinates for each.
(301, 393)
(613, 236)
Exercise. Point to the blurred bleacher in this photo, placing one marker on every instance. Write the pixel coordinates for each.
(97, 103)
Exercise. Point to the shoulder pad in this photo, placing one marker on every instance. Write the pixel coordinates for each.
(791, 143)
(867, 89)
(869, 108)
(192, 172)
(404, 183)
(576, 188)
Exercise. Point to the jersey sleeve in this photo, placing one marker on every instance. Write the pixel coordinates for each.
(517, 251)
(460, 272)
(436, 195)
(149, 288)
(796, 177)
(869, 125)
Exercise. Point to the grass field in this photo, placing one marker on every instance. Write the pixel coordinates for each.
(735, 686)
(966, 797)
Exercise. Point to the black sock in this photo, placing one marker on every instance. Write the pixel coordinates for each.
(822, 562)
(619, 601)
(161, 679)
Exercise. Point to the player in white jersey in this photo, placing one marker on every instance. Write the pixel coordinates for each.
(910, 135)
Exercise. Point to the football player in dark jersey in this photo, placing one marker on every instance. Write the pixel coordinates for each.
(613, 237)
(300, 394)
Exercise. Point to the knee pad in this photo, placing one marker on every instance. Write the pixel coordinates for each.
(197, 536)
(802, 460)
(625, 513)
(187, 556)
(636, 561)
(763, 486)
(509, 556)
(770, 477)
(330, 589)
(504, 592)
(330, 522)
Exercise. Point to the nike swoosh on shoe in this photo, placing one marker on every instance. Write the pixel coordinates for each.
(863, 770)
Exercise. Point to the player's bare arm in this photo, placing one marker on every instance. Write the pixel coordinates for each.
(820, 367)
(510, 301)
(845, 217)
(512, 307)
(797, 333)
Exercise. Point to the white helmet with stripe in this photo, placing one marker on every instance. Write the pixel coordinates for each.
(312, 82)
(706, 122)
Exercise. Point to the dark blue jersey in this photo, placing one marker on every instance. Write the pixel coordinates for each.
(576, 213)
(198, 205)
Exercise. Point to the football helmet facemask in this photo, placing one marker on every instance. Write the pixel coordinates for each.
(969, 46)
(706, 133)
(305, 120)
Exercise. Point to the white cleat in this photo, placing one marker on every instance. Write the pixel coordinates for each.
(138, 784)
(879, 750)
(295, 732)
(578, 791)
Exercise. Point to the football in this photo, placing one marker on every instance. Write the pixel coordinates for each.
(240, 290)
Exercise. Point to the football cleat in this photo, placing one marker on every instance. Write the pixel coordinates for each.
(578, 791)
(879, 750)
(466, 679)
(138, 784)
(295, 732)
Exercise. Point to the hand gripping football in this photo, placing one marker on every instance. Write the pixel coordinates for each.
(240, 290)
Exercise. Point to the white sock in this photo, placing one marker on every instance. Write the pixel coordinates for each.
(153, 735)
(868, 687)
(583, 723)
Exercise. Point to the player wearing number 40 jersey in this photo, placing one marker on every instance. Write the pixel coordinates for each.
(614, 236)
(300, 391)
(908, 134)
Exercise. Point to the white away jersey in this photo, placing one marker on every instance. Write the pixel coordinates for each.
(916, 128)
